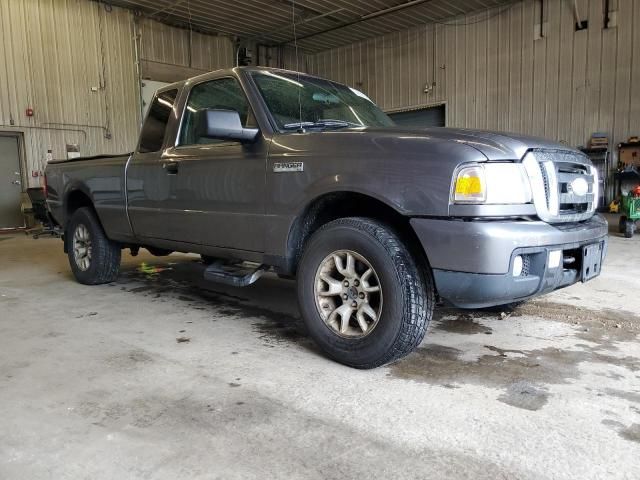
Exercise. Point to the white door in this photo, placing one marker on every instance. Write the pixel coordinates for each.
(10, 183)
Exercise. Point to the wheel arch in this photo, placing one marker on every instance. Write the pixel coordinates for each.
(341, 204)
(76, 197)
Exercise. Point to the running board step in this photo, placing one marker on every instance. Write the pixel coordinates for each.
(234, 275)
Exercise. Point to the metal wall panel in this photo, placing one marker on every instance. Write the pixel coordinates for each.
(73, 62)
(493, 73)
(168, 45)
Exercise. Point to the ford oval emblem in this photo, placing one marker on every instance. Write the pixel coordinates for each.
(579, 186)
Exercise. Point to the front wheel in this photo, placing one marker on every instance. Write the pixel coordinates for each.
(94, 259)
(207, 259)
(159, 252)
(363, 298)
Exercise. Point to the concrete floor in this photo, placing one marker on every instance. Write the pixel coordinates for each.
(162, 376)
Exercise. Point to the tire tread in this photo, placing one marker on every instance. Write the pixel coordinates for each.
(105, 253)
(415, 281)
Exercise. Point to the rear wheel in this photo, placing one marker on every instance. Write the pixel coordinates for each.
(94, 259)
(363, 298)
(629, 228)
(622, 224)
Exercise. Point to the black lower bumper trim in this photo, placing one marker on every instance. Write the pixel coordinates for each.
(476, 290)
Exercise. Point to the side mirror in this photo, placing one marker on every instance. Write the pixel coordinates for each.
(222, 125)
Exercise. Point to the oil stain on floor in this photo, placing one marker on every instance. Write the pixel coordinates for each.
(463, 323)
(180, 282)
(522, 376)
(631, 433)
(524, 395)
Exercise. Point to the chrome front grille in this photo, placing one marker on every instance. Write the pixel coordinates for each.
(572, 202)
(564, 185)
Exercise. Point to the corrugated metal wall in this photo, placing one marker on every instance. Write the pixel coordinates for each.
(55, 52)
(493, 74)
(491, 71)
(168, 53)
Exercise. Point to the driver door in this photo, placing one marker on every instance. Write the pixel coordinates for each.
(219, 184)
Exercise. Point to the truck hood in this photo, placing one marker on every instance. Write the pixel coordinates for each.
(493, 145)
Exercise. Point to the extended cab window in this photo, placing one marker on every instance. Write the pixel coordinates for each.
(222, 94)
(153, 130)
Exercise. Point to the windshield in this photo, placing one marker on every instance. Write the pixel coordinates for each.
(316, 103)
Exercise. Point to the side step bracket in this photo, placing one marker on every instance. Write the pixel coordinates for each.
(234, 275)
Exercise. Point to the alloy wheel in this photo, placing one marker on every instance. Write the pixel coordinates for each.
(82, 247)
(348, 294)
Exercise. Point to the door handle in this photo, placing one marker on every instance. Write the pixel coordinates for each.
(171, 167)
(16, 182)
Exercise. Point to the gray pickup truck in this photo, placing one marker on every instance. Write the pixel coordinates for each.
(260, 169)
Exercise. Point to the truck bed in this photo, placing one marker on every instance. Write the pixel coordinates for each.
(100, 179)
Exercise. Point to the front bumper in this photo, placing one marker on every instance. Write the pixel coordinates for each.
(473, 261)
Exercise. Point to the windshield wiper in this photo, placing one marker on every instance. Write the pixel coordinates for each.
(324, 123)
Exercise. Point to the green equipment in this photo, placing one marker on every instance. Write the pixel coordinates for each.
(629, 182)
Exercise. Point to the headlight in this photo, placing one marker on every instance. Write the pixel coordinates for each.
(596, 188)
(471, 185)
(492, 183)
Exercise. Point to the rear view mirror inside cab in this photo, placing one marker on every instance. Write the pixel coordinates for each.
(325, 98)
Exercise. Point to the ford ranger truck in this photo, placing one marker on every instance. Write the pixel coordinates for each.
(259, 169)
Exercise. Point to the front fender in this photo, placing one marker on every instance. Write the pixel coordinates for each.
(412, 174)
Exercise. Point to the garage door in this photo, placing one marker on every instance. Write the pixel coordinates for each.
(11, 189)
(421, 118)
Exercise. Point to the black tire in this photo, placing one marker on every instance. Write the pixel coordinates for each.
(629, 227)
(207, 260)
(622, 224)
(407, 289)
(158, 252)
(104, 260)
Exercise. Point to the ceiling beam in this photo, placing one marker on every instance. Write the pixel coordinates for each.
(363, 18)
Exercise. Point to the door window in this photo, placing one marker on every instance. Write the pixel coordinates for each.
(153, 130)
(222, 94)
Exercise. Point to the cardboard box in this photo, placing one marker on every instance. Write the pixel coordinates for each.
(630, 154)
